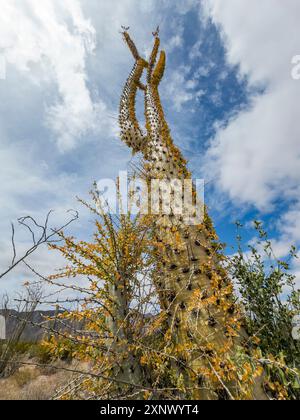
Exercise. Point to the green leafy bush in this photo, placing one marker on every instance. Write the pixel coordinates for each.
(271, 300)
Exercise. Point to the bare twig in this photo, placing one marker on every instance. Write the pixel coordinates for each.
(46, 236)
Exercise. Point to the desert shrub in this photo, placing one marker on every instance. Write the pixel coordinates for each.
(25, 375)
(64, 349)
(21, 347)
(271, 300)
(40, 353)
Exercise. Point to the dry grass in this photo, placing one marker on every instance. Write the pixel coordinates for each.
(31, 383)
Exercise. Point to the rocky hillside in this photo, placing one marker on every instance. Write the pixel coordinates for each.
(33, 331)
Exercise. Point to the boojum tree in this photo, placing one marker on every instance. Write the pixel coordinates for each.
(203, 322)
(192, 343)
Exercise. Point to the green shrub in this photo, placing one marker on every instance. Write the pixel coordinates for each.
(271, 300)
(40, 353)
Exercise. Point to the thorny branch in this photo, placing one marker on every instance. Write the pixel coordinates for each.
(44, 235)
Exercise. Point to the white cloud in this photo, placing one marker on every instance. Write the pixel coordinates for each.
(263, 40)
(179, 89)
(289, 227)
(256, 157)
(57, 37)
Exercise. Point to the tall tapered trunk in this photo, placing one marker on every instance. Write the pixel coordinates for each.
(127, 370)
(194, 289)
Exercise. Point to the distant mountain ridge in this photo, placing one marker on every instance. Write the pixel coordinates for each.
(32, 332)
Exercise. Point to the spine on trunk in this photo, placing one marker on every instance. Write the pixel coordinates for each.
(204, 324)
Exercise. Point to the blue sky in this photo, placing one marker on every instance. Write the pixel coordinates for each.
(228, 94)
